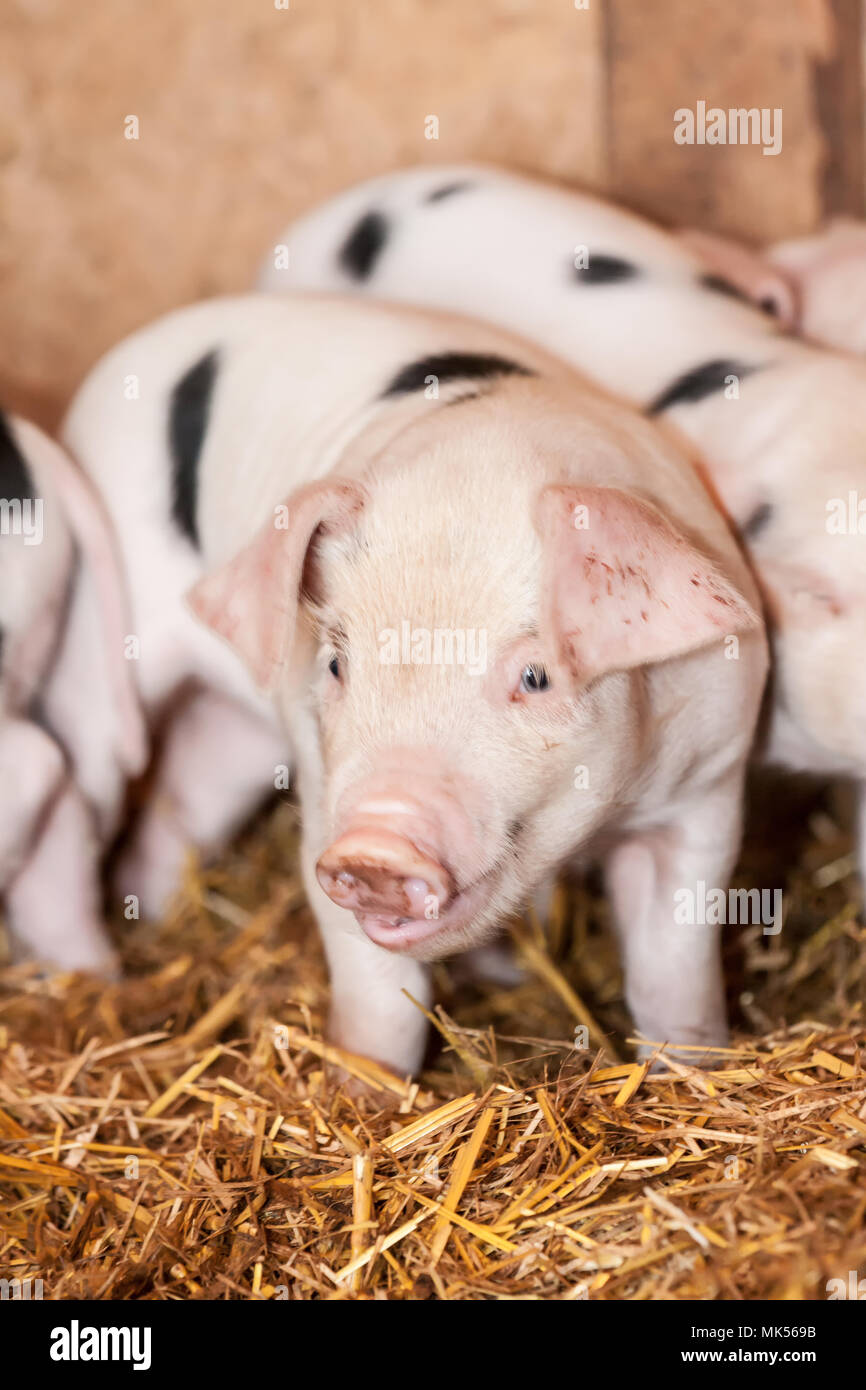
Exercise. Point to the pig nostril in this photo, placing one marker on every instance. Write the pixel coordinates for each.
(417, 892)
(342, 885)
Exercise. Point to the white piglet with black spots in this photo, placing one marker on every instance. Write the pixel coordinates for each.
(492, 619)
(778, 425)
(51, 528)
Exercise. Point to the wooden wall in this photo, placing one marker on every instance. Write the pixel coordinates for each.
(248, 114)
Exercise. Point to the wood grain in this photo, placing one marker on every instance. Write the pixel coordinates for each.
(745, 53)
(248, 115)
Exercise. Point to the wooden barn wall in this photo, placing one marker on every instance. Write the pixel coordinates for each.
(248, 114)
(800, 56)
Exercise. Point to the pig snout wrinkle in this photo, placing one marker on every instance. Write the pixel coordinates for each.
(379, 872)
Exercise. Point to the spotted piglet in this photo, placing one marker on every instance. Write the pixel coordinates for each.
(664, 321)
(50, 523)
(491, 619)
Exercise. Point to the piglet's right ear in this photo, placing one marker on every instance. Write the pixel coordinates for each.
(252, 600)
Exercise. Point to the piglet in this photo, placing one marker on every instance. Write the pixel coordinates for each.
(491, 619)
(778, 427)
(50, 523)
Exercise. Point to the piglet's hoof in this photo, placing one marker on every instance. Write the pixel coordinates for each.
(364, 1077)
(101, 965)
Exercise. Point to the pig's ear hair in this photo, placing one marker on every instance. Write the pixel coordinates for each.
(747, 272)
(252, 600)
(623, 588)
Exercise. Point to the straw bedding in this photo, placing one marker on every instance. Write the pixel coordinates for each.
(182, 1136)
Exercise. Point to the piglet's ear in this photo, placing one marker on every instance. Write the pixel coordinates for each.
(747, 271)
(252, 601)
(624, 588)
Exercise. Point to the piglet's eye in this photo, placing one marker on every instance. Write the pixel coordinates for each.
(334, 667)
(533, 679)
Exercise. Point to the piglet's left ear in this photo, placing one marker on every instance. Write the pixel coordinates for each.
(624, 588)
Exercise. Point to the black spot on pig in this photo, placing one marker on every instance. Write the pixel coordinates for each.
(758, 522)
(770, 305)
(699, 382)
(188, 413)
(16, 483)
(447, 190)
(452, 366)
(605, 270)
(363, 246)
(720, 286)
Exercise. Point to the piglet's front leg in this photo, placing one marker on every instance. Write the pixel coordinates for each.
(673, 975)
(53, 903)
(370, 1013)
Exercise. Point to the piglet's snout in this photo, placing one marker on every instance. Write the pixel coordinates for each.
(373, 870)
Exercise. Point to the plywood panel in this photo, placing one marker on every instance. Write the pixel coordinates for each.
(839, 97)
(248, 114)
(745, 53)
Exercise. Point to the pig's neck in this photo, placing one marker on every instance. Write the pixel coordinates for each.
(378, 431)
(715, 371)
(285, 457)
(733, 433)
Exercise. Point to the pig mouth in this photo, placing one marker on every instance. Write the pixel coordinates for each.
(397, 933)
